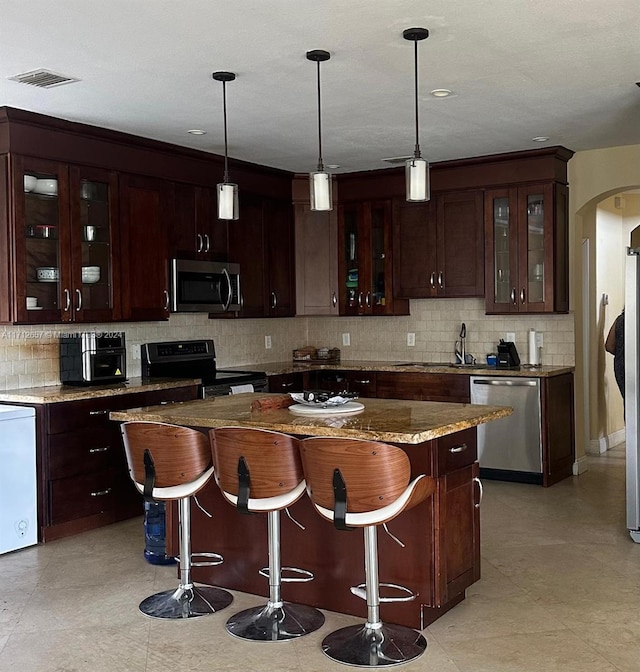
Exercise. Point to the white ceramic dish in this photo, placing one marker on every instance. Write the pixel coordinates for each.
(345, 409)
(46, 186)
(90, 274)
(34, 307)
(47, 274)
(30, 182)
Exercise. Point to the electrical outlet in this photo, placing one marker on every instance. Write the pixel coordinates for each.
(135, 352)
(511, 336)
(411, 339)
(539, 340)
(267, 342)
(346, 339)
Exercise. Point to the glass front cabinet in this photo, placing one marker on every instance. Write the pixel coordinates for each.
(64, 238)
(365, 260)
(526, 239)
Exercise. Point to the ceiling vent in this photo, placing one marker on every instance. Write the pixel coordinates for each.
(397, 159)
(45, 79)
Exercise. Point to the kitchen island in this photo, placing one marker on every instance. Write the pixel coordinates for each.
(441, 556)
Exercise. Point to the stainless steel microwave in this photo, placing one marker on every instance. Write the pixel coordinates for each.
(204, 286)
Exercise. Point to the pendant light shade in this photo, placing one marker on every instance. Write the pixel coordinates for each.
(417, 168)
(227, 191)
(320, 180)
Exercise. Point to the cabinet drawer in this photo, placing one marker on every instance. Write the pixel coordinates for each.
(456, 451)
(94, 413)
(448, 387)
(89, 494)
(286, 382)
(362, 382)
(86, 451)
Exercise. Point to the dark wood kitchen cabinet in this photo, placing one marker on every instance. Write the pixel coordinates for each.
(365, 261)
(288, 382)
(527, 249)
(449, 387)
(83, 478)
(261, 241)
(145, 204)
(438, 246)
(195, 231)
(61, 251)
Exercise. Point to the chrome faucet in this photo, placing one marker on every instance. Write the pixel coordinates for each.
(461, 346)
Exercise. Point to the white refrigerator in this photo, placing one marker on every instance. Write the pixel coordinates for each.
(632, 383)
(18, 503)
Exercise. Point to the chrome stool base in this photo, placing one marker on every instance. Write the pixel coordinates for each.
(270, 623)
(364, 646)
(186, 602)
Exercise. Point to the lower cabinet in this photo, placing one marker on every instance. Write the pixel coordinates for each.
(448, 387)
(83, 476)
(288, 382)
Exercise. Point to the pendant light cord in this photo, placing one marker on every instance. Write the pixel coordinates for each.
(416, 152)
(320, 163)
(224, 114)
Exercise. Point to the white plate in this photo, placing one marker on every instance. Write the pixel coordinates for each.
(35, 308)
(349, 407)
(333, 402)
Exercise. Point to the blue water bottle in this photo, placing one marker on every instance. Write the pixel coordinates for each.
(155, 547)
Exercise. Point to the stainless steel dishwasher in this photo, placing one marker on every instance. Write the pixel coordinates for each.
(510, 449)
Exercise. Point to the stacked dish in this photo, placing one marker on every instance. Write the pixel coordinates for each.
(47, 274)
(90, 274)
(46, 186)
(30, 182)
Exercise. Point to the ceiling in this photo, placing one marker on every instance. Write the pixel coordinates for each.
(561, 69)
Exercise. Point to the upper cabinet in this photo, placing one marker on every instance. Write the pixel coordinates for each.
(261, 241)
(527, 249)
(365, 262)
(438, 246)
(195, 231)
(63, 227)
(144, 206)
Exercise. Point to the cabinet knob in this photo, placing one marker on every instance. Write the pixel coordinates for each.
(200, 243)
(479, 482)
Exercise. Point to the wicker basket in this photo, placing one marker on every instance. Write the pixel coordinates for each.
(313, 355)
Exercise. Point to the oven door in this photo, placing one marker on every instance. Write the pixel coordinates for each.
(204, 287)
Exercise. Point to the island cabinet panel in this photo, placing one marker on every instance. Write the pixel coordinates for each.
(423, 386)
(83, 475)
(558, 431)
(288, 382)
(438, 246)
(361, 382)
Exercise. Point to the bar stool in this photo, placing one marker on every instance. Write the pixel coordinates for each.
(259, 471)
(357, 483)
(167, 462)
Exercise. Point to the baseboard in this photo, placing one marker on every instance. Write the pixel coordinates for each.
(604, 443)
(580, 466)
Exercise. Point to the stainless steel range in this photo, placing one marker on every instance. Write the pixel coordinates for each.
(197, 359)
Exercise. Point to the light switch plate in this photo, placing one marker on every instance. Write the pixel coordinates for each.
(411, 339)
(267, 342)
(511, 336)
(346, 339)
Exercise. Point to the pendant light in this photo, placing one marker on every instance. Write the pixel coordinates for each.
(417, 168)
(227, 191)
(320, 180)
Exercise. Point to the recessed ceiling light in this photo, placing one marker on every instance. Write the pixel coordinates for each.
(441, 93)
(196, 131)
(540, 138)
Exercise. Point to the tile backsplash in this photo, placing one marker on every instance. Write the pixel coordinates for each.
(29, 354)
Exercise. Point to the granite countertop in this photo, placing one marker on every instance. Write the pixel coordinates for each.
(392, 420)
(278, 368)
(53, 394)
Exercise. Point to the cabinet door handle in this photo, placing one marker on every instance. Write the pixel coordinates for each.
(101, 493)
(479, 482)
(458, 449)
(67, 300)
(200, 242)
(166, 300)
(334, 299)
(274, 300)
(102, 449)
(285, 386)
(432, 281)
(359, 299)
(362, 382)
(79, 301)
(513, 296)
(206, 242)
(441, 280)
(522, 295)
(367, 300)
(99, 412)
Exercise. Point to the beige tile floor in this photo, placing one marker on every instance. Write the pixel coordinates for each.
(559, 591)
